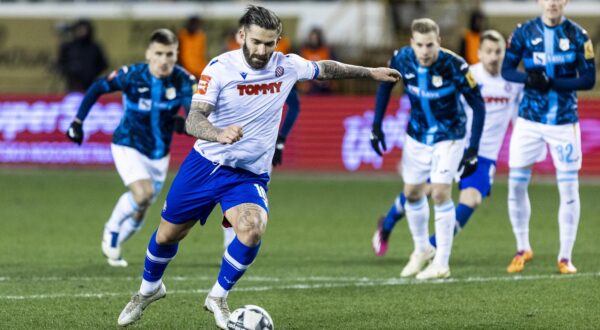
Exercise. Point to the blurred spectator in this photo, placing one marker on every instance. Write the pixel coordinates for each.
(316, 49)
(284, 45)
(231, 39)
(469, 44)
(192, 46)
(80, 57)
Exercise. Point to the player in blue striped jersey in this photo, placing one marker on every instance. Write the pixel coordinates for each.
(501, 102)
(434, 79)
(153, 94)
(559, 59)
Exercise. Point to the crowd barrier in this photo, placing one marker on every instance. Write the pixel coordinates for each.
(331, 134)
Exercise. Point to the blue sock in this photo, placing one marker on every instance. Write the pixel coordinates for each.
(395, 213)
(236, 260)
(463, 213)
(157, 259)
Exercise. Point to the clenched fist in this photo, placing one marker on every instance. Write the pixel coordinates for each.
(230, 134)
(385, 74)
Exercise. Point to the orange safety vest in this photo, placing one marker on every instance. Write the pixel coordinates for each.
(192, 51)
(284, 45)
(321, 53)
(472, 40)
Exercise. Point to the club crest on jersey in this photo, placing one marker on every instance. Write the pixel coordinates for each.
(170, 93)
(563, 44)
(256, 89)
(507, 88)
(279, 71)
(437, 81)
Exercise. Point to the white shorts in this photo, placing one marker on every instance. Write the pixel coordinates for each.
(529, 139)
(438, 162)
(134, 166)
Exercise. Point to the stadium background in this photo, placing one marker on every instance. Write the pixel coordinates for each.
(316, 269)
(332, 131)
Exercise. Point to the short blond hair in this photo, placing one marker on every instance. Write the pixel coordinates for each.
(424, 25)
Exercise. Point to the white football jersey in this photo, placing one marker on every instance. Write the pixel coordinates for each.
(501, 105)
(252, 99)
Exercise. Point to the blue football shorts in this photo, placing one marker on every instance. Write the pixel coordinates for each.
(482, 178)
(201, 184)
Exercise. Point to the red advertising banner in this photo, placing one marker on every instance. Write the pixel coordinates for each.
(331, 134)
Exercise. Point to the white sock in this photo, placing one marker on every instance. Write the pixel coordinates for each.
(149, 288)
(568, 212)
(128, 228)
(417, 216)
(124, 209)
(445, 218)
(519, 208)
(228, 236)
(218, 291)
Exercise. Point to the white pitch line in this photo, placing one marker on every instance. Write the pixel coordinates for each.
(358, 282)
(183, 279)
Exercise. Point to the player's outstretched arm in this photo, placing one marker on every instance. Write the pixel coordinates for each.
(197, 125)
(329, 69)
(99, 87)
(381, 101)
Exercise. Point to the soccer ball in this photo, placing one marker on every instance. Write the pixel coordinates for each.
(250, 317)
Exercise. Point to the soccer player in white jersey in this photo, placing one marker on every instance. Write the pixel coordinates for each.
(501, 101)
(235, 115)
(558, 58)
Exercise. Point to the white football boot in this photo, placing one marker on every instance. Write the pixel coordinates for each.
(111, 249)
(417, 261)
(218, 306)
(434, 271)
(134, 309)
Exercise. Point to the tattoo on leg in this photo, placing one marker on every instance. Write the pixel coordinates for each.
(249, 218)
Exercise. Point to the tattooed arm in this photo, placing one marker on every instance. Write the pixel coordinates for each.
(337, 70)
(198, 126)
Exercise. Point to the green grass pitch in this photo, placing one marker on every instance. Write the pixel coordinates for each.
(315, 270)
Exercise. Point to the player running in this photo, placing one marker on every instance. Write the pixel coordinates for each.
(434, 144)
(235, 115)
(153, 93)
(501, 102)
(558, 57)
